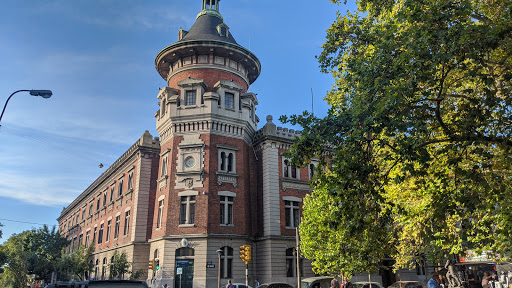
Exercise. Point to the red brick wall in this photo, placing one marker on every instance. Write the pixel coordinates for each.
(210, 76)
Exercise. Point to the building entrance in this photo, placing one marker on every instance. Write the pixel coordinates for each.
(186, 278)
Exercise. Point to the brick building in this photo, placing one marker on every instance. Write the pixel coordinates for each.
(210, 183)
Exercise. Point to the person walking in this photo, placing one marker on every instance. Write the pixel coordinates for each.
(434, 281)
(345, 283)
(230, 285)
(334, 283)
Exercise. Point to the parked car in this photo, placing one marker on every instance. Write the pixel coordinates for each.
(366, 284)
(238, 285)
(406, 284)
(275, 285)
(316, 282)
(100, 284)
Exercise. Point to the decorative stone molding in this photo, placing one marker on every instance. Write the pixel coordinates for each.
(223, 177)
(190, 164)
(289, 183)
(162, 181)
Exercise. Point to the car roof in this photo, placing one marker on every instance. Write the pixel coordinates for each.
(311, 279)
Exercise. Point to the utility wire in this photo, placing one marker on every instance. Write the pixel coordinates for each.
(56, 147)
(24, 222)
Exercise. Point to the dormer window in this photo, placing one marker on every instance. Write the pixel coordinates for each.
(229, 100)
(223, 30)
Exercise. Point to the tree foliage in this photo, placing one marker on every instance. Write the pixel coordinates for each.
(415, 152)
(77, 264)
(15, 261)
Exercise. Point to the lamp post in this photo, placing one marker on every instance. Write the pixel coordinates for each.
(42, 93)
(219, 252)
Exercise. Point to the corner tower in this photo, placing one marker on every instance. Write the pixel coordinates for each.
(207, 181)
(208, 74)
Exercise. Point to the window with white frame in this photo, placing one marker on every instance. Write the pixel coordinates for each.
(91, 207)
(290, 170)
(187, 209)
(227, 159)
(98, 202)
(83, 213)
(130, 181)
(165, 163)
(190, 97)
(226, 262)
(100, 234)
(105, 198)
(120, 187)
(116, 227)
(126, 222)
(160, 214)
(229, 100)
(112, 190)
(291, 213)
(226, 210)
(87, 238)
(291, 263)
(109, 222)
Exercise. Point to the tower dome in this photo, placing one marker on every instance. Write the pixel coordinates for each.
(208, 45)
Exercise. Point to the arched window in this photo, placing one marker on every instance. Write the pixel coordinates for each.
(226, 262)
(155, 254)
(230, 162)
(104, 269)
(286, 166)
(222, 161)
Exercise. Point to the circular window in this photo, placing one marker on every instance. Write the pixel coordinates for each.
(190, 162)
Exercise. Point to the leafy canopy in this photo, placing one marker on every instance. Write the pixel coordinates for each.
(415, 152)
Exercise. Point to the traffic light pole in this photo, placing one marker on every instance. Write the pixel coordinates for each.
(246, 274)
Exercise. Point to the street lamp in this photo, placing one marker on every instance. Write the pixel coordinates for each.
(43, 93)
(219, 252)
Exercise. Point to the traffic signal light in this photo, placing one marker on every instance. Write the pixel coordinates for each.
(245, 253)
(242, 252)
(157, 266)
(151, 264)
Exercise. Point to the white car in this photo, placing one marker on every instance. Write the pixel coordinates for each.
(239, 285)
(366, 284)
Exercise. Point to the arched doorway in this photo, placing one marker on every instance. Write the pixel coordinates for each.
(185, 266)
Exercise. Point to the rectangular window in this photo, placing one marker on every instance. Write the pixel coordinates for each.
(190, 97)
(83, 214)
(165, 161)
(112, 189)
(226, 210)
(120, 187)
(292, 215)
(104, 198)
(126, 222)
(87, 238)
(229, 100)
(94, 235)
(227, 160)
(187, 209)
(108, 230)
(80, 240)
(98, 204)
(160, 214)
(116, 229)
(130, 181)
(100, 235)
(90, 209)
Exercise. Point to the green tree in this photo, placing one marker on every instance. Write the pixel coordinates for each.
(119, 267)
(76, 265)
(1, 233)
(415, 150)
(15, 261)
(44, 247)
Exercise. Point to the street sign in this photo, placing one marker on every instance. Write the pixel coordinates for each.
(179, 271)
(210, 265)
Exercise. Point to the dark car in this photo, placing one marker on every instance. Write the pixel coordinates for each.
(406, 284)
(100, 284)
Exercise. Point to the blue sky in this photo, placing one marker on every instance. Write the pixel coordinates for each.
(97, 56)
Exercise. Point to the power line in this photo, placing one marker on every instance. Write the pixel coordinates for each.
(56, 147)
(24, 222)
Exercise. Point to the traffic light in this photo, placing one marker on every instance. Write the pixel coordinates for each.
(157, 266)
(247, 253)
(151, 264)
(242, 252)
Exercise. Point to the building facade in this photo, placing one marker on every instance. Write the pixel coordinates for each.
(209, 183)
